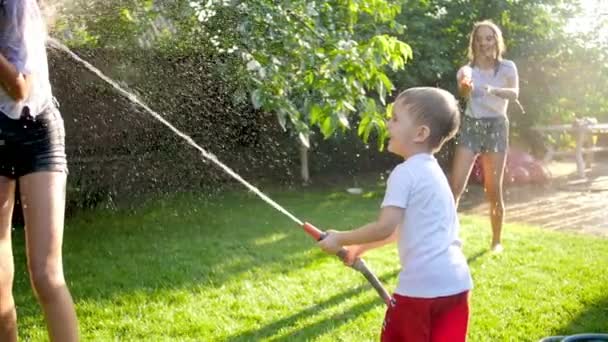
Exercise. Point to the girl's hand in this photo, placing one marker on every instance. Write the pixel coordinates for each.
(466, 87)
(465, 72)
(465, 81)
(331, 243)
(489, 90)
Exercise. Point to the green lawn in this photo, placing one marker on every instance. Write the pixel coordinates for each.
(230, 268)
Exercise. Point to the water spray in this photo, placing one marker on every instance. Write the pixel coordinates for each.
(311, 230)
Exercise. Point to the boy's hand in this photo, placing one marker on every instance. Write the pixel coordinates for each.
(331, 243)
(352, 253)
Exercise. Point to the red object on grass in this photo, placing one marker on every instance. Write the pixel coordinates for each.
(517, 174)
(520, 168)
(539, 172)
(477, 171)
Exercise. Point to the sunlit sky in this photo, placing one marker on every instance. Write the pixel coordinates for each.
(594, 10)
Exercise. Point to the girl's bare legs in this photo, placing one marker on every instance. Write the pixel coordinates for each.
(8, 315)
(43, 200)
(461, 169)
(493, 174)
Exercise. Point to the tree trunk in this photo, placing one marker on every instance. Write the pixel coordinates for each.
(304, 171)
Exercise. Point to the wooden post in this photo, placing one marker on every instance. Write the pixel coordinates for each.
(580, 159)
(590, 146)
(550, 151)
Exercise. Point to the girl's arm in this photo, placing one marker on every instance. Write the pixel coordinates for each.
(505, 93)
(16, 57)
(511, 91)
(16, 85)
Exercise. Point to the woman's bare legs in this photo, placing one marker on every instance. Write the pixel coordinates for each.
(43, 201)
(493, 174)
(8, 314)
(461, 169)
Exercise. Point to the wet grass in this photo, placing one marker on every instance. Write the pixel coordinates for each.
(229, 268)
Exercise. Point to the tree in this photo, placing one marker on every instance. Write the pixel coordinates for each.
(325, 66)
(561, 72)
(313, 63)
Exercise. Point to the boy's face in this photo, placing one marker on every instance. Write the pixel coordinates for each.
(405, 134)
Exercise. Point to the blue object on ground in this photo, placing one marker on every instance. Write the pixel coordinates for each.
(577, 338)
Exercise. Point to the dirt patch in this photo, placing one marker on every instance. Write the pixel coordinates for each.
(565, 204)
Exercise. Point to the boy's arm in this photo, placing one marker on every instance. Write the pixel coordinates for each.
(355, 251)
(375, 232)
(371, 245)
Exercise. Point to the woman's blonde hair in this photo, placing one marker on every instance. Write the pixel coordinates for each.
(500, 42)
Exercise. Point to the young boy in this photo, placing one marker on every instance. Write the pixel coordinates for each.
(431, 298)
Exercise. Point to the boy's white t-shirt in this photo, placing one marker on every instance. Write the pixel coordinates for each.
(432, 261)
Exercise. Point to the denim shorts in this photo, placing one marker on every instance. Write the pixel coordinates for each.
(32, 144)
(484, 135)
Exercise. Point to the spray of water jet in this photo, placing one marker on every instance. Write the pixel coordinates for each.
(209, 156)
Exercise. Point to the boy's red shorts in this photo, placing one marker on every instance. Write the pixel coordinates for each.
(441, 319)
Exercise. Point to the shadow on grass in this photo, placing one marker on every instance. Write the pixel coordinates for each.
(188, 242)
(319, 327)
(594, 319)
(474, 257)
(330, 323)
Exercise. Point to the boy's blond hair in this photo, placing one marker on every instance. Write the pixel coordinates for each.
(435, 108)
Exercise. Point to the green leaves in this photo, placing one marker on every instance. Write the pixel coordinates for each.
(321, 63)
(317, 64)
(373, 120)
(552, 63)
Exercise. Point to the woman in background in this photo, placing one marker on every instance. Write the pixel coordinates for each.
(32, 153)
(488, 82)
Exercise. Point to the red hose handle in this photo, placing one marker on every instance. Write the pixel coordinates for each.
(313, 231)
